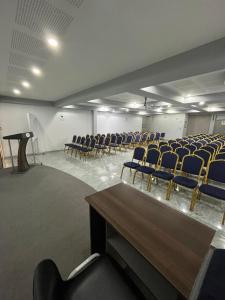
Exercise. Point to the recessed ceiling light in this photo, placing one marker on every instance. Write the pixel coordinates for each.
(69, 106)
(36, 71)
(134, 105)
(126, 109)
(193, 105)
(104, 108)
(171, 111)
(52, 42)
(201, 103)
(159, 109)
(95, 101)
(26, 84)
(193, 111)
(16, 91)
(142, 112)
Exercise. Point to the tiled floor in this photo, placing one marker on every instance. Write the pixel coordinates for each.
(103, 172)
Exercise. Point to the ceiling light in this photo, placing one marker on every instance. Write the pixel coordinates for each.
(134, 105)
(201, 103)
(213, 108)
(69, 106)
(95, 101)
(104, 108)
(126, 109)
(193, 111)
(16, 91)
(26, 84)
(159, 109)
(193, 105)
(52, 42)
(36, 71)
(142, 112)
(171, 111)
(169, 105)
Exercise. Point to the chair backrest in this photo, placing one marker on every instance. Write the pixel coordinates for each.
(183, 143)
(175, 145)
(144, 137)
(119, 140)
(222, 149)
(171, 142)
(165, 148)
(74, 139)
(169, 160)
(124, 137)
(153, 156)
(192, 164)
(93, 142)
(214, 146)
(101, 140)
(107, 141)
(181, 152)
(220, 155)
(139, 153)
(82, 141)
(113, 139)
(152, 146)
(163, 134)
(216, 170)
(151, 137)
(137, 138)
(162, 143)
(206, 155)
(129, 139)
(197, 144)
(78, 139)
(157, 136)
(209, 149)
(88, 141)
(87, 136)
(191, 147)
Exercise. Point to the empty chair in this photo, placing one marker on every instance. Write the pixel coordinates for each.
(78, 145)
(100, 147)
(165, 148)
(183, 143)
(157, 136)
(69, 145)
(197, 144)
(162, 135)
(205, 155)
(97, 278)
(113, 143)
(191, 147)
(166, 170)
(191, 165)
(127, 142)
(181, 152)
(136, 140)
(175, 145)
(217, 174)
(209, 149)
(138, 156)
(151, 137)
(171, 142)
(152, 146)
(85, 149)
(150, 163)
(220, 155)
(144, 138)
(162, 143)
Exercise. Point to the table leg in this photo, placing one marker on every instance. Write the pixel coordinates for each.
(11, 155)
(97, 231)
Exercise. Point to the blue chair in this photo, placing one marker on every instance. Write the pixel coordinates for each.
(220, 155)
(197, 144)
(100, 147)
(205, 155)
(162, 143)
(222, 149)
(70, 145)
(157, 136)
(152, 159)
(216, 172)
(152, 146)
(209, 149)
(162, 135)
(191, 165)
(138, 155)
(191, 147)
(78, 144)
(151, 137)
(183, 143)
(127, 142)
(136, 140)
(175, 145)
(171, 142)
(165, 148)
(167, 169)
(181, 152)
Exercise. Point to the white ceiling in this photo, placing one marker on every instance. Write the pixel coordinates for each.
(99, 40)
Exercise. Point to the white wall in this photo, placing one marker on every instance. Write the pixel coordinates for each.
(111, 122)
(174, 125)
(51, 129)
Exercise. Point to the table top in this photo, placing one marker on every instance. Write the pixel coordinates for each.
(172, 242)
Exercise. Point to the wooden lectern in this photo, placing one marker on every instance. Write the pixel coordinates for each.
(22, 158)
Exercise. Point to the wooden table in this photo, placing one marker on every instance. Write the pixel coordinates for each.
(172, 242)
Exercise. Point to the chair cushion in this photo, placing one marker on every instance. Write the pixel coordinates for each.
(100, 280)
(163, 175)
(185, 181)
(131, 165)
(213, 191)
(145, 169)
(69, 145)
(113, 145)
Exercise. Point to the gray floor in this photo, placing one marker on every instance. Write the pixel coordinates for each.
(42, 215)
(103, 172)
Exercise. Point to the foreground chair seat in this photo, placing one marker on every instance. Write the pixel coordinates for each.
(186, 182)
(213, 191)
(100, 279)
(163, 175)
(138, 155)
(145, 169)
(131, 165)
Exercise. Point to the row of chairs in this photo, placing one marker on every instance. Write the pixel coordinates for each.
(190, 171)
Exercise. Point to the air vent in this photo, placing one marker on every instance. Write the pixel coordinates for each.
(17, 72)
(77, 3)
(28, 44)
(26, 61)
(41, 17)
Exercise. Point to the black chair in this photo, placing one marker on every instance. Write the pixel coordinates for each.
(99, 278)
(175, 145)
(209, 149)
(191, 165)
(150, 163)
(165, 148)
(138, 155)
(69, 145)
(162, 143)
(152, 146)
(183, 143)
(167, 169)
(128, 141)
(197, 144)
(100, 147)
(216, 172)
(191, 147)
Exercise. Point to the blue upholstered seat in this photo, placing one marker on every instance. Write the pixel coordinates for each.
(145, 169)
(131, 165)
(163, 175)
(185, 181)
(213, 191)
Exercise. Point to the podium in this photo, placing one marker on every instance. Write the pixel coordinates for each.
(22, 138)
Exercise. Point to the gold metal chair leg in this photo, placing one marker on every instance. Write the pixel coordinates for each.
(134, 176)
(169, 188)
(122, 172)
(193, 200)
(223, 221)
(149, 183)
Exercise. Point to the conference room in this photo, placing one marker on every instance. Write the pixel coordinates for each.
(112, 150)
